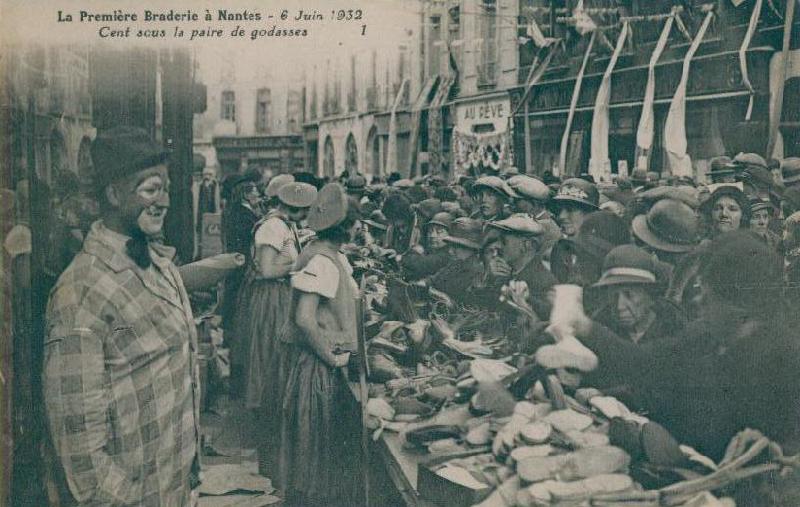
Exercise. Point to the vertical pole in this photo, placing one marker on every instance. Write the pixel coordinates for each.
(775, 120)
(527, 125)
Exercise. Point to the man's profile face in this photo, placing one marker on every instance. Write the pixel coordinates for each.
(143, 199)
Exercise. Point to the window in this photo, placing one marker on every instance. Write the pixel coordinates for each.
(294, 108)
(435, 46)
(351, 90)
(228, 106)
(351, 155)
(328, 160)
(263, 111)
(487, 66)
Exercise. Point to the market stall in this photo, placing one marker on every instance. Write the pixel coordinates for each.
(460, 414)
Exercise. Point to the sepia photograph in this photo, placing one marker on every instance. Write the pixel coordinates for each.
(312, 253)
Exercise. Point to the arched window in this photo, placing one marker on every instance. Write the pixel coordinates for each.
(351, 155)
(373, 153)
(328, 160)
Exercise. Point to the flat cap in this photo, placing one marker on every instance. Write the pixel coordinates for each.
(297, 195)
(495, 183)
(403, 183)
(790, 169)
(519, 223)
(528, 187)
(753, 159)
(275, 184)
(122, 151)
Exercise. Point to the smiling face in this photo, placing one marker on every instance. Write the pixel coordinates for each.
(726, 215)
(141, 201)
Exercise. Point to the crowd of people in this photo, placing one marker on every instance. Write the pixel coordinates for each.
(687, 296)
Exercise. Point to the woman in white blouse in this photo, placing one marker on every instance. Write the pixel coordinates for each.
(264, 310)
(320, 427)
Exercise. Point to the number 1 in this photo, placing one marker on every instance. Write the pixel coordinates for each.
(363, 29)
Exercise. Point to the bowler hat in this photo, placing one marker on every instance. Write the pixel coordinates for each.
(790, 168)
(669, 226)
(578, 191)
(528, 187)
(466, 232)
(234, 180)
(329, 208)
(356, 183)
(721, 166)
(495, 183)
(121, 151)
(297, 195)
(627, 264)
(276, 183)
(519, 223)
(639, 177)
(684, 194)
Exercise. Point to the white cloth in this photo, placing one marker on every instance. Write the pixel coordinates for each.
(599, 162)
(675, 127)
(644, 134)
(320, 276)
(562, 157)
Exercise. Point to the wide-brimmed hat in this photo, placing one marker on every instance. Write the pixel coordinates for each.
(669, 226)
(721, 166)
(519, 223)
(122, 151)
(530, 188)
(297, 195)
(495, 183)
(276, 183)
(234, 180)
(466, 232)
(627, 264)
(578, 191)
(790, 170)
(329, 208)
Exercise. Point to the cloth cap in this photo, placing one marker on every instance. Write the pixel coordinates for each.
(759, 176)
(750, 159)
(495, 183)
(790, 169)
(122, 151)
(277, 182)
(528, 187)
(297, 195)
(686, 195)
(377, 220)
(466, 232)
(627, 264)
(450, 206)
(356, 183)
(443, 219)
(578, 191)
(669, 226)
(403, 183)
(519, 223)
(757, 204)
(329, 208)
(428, 207)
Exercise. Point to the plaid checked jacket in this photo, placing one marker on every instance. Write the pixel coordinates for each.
(121, 378)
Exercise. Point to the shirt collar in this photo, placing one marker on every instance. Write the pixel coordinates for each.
(111, 247)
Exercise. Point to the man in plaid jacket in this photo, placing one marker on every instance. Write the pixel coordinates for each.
(120, 374)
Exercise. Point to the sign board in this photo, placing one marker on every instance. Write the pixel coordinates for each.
(211, 235)
(483, 113)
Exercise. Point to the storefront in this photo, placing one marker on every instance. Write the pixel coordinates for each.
(482, 134)
(279, 154)
(717, 102)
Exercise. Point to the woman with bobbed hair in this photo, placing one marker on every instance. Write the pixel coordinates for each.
(726, 210)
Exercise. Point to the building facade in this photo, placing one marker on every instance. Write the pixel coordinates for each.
(253, 117)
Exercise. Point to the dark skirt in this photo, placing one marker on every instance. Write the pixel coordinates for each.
(320, 431)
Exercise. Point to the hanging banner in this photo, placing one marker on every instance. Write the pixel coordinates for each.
(680, 163)
(474, 155)
(562, 156)
(777, 82)
(391, 156)
(644, 134)
(748, 36)
(599, 163)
